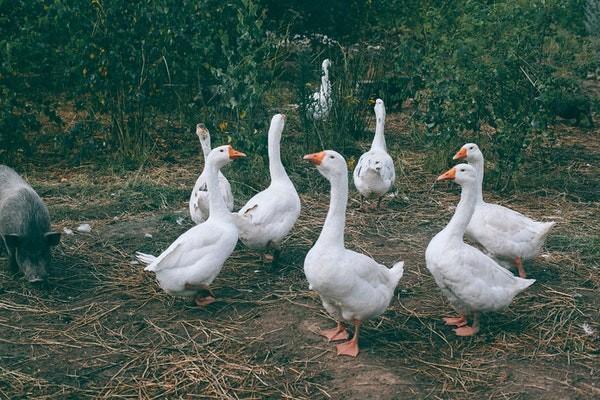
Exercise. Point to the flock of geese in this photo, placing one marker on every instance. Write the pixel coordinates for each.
(352, 286)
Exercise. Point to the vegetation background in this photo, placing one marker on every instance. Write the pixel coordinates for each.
(98, 104)
(139, 75)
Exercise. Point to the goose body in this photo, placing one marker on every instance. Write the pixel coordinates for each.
(320, 105)
(270, 215)
(353, 287)
(374, 173)
(192, 262)
(199, 198)
(471, 281)
(504, 233)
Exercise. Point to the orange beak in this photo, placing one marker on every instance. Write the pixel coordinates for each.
(462, 153)
(315, 158)
(233, 153)
(448, 175)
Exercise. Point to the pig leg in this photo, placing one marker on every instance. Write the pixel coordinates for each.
(12, 263)
(10, 243)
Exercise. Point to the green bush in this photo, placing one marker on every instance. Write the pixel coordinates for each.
(133, 64)
(142, 72)
(488, 65)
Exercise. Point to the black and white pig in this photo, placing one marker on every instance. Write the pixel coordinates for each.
(24, 227)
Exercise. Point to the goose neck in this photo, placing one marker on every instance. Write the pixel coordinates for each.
(217, 205)
(333, 229)
(463, 213)
(205, 145)
(325, 85)
(276, 168)
(379, 139)
(479, 168)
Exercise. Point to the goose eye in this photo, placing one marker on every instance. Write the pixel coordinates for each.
(332, 157)
(471, 148)
(462, 170)
(221, 150)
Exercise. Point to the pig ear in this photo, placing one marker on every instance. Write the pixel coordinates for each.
(52, 238)
(12, 241)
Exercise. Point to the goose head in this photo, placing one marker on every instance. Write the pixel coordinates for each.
(461, 174)
(469, 152)
(326, 64)
(330, 164)
(277, 125)
(204, 137)
(379, 111)
(223, 155)
(202, 132)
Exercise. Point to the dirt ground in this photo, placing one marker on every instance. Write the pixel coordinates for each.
(101, 327)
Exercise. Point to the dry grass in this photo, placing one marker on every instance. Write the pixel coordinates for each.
(101, 328)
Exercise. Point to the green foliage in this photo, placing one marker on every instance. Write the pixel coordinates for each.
(28, 45)
(495, 72)
(488, 65)
(133, 62)
(356, 81)
(165, 59)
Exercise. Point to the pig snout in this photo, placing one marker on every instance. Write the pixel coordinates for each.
(36, 276)
(35, 272)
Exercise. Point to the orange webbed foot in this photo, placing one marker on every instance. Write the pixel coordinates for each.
(204, 301)
(466, 331)
(349, 348)
(456, 321)
(337, 333)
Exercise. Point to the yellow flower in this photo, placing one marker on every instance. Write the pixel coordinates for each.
(222, 126)
(351, 163)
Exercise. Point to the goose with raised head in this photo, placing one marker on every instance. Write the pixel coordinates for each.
(374, 173)
(353, 287)
(270, 215)
(505, 234)
(320, 105)
(471, 281)
(193, 261)
(199, 199)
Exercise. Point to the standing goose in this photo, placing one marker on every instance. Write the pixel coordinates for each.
(505, 234)
(191, 263)
(270, 215)
(199, 199)
(374, 174)
(471, 281)
(353, 287)
(321, 100)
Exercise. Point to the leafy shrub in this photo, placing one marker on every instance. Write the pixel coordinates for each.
(487, 67)
(28, 75)
(478, 70)
(164, 59)
(131, 62)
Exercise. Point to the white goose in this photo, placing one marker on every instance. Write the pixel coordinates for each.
(321, 100)
(270, 215)
(191, 263)
(353, 287)
(374, 173)
(199, 204)
(471, 281)
(505, 234)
